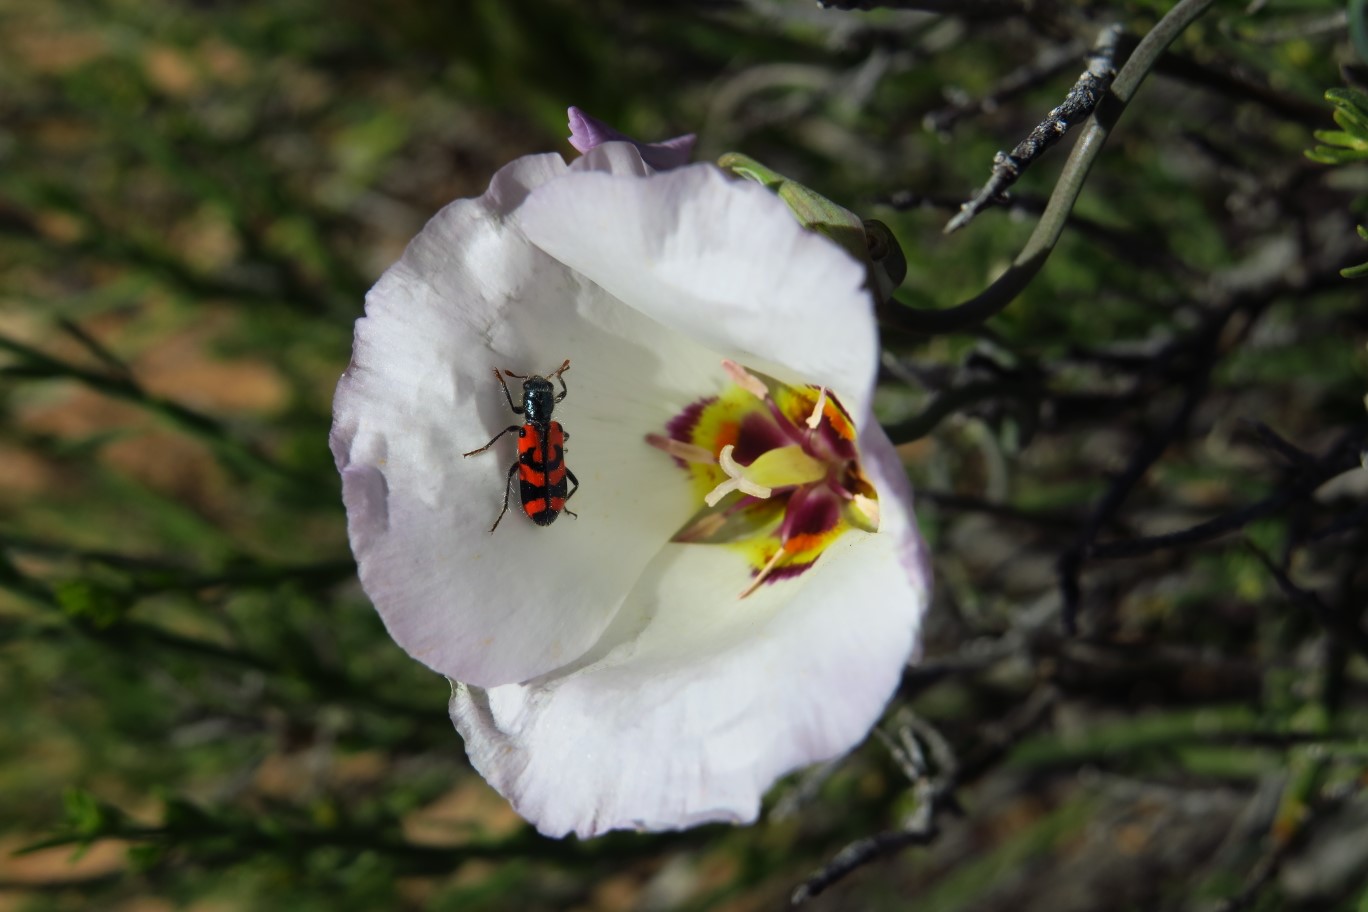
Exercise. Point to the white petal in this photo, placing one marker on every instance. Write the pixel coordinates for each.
(885, 471)
(722, 261)
(695, 702)
(468, 295)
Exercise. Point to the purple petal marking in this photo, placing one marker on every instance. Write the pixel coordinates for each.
(789, 571)
(759, 434)
(832, 445)
(824, 443)
(812, 510)
(587, 132)
(843, 448)
(681, 426)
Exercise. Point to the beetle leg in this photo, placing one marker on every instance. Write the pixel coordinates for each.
(517, 409)
(512, 470)
(511, 427)
(574, 481)
(557, 374)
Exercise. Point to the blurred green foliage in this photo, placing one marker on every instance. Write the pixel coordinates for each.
(1346, 145)
(203, 712)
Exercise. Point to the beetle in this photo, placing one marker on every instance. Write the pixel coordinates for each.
(543, 478)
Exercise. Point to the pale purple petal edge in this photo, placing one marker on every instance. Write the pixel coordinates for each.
(588, 133)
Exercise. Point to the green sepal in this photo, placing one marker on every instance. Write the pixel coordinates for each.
(750, 169)
(870, 242)
(886, 255)
(812, 209)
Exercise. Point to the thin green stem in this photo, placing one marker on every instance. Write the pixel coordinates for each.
(994, 299)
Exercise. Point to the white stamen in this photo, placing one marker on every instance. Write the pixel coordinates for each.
(679, 449)
(816, 417)
(765, 571)
(736, 480)
(745, 379)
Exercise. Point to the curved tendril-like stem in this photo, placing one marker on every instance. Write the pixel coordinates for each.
(1002, 292)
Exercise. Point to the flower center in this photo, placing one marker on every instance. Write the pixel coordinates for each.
(776, 471)
(785, 467)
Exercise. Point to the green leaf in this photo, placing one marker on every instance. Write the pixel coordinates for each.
(1327, 155)
(1361, 270)
(1355, 272)
(1341, 138)
(84, 812)
(1351, 121)
(145, 856)
(1350, 144)
(90, 601)
(1348, 99)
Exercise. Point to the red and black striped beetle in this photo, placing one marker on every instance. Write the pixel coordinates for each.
(540, 466)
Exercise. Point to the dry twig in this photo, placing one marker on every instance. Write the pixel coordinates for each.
(1077, 105)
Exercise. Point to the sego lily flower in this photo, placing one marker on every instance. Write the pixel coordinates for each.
(743, 583)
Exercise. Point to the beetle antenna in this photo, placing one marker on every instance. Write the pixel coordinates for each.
(560, 370)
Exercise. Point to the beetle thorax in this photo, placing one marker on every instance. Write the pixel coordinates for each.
(538, 400)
